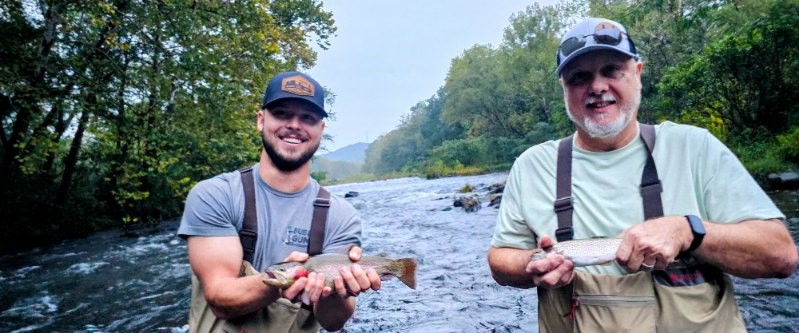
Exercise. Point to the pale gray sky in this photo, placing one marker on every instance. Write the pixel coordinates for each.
(388, 55)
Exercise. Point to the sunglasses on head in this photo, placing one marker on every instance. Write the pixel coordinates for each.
(610, 37)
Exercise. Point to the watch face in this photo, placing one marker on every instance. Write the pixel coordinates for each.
(696, 224)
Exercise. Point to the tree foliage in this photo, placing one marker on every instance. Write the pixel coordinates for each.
(725, 65)
(112, 110)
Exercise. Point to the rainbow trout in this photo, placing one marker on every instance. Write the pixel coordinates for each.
(583, 252)
(283, 275)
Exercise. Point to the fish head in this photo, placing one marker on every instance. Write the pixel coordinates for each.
(284, 275)
(538, 254)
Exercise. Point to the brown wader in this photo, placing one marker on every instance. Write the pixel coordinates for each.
(690, 298)
(280, 316)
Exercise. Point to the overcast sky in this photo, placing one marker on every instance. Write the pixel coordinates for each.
(388, 55)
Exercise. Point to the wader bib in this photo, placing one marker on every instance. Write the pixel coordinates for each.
(692, 298)
(280, 316)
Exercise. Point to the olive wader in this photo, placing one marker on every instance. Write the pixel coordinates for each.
(688, 297)
(280, 316)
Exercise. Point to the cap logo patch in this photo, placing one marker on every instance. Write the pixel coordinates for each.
(298, 85)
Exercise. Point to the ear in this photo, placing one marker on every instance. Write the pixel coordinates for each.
(260, 121)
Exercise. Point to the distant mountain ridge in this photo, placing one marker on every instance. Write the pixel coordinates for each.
(354, 153)
(342, 162)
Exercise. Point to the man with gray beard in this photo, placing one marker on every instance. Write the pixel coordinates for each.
(239, 223)
(687, 212)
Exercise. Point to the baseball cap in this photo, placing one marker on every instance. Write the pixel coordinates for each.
(591, 35)
(295, 85)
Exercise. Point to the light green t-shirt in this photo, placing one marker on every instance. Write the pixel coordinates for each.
(700, 176)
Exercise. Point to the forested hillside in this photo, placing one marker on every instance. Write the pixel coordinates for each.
(729, 66)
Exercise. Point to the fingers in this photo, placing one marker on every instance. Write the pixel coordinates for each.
(315, 286)
(552, 272)
(374, 279)
(312, 286)
(295, 289)
(296, 256)
(545, 242)
(649, 245)
(355, 253)
(355, 279)
(661, 263)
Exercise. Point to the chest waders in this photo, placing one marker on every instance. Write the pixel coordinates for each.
(691, 298)
(280, 316)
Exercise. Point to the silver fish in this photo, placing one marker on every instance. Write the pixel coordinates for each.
(583, 252)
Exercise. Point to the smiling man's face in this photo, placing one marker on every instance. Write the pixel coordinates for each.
(291, 132)
(602, 92)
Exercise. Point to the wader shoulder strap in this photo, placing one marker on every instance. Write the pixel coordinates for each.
(563, 188)
(321, 205)
(650, 184)
(249, 229)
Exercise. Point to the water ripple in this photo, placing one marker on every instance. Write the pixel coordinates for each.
(108, 283)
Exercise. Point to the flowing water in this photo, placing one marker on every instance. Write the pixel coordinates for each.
(109, 283)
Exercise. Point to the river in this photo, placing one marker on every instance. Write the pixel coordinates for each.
(110, 283)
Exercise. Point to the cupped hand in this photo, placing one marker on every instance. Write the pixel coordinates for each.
(354, 279)
(552, 272)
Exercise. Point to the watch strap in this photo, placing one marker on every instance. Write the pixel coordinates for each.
(697, 230)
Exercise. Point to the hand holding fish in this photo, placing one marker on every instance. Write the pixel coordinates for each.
(353, 280)
(550, 271)
(654, 244)
(310, 287)
(320, 276)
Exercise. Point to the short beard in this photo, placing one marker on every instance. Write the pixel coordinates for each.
(282, 163)
(609, 130)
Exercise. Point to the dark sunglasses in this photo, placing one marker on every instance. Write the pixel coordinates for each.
(610, 37)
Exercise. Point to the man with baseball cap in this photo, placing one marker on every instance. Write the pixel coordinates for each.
(686, 211)
(239, 223)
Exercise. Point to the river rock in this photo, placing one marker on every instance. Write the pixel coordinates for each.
(495, 200)
(470, 204)
(351, 194)
(784, 180)
(496, 188)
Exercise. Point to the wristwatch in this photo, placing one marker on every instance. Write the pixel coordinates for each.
(697, 229)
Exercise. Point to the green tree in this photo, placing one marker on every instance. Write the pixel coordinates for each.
(112, 110)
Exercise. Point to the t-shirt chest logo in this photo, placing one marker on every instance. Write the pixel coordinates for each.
(296, 237)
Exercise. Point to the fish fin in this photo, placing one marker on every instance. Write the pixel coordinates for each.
(406, 271)
(305, 298)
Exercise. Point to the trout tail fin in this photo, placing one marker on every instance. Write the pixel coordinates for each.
(406, 271)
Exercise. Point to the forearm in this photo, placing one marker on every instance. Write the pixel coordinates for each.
(508, 266)
(332, 312)
(239, 296)
(750, 249)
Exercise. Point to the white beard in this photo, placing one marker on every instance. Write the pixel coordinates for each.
(603, 130)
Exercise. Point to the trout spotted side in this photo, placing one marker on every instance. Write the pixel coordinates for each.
(283, 275)
(582, 252)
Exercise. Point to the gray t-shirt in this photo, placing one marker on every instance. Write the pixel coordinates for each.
(215, 207)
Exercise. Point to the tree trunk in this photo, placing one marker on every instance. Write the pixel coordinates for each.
(71, 160)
